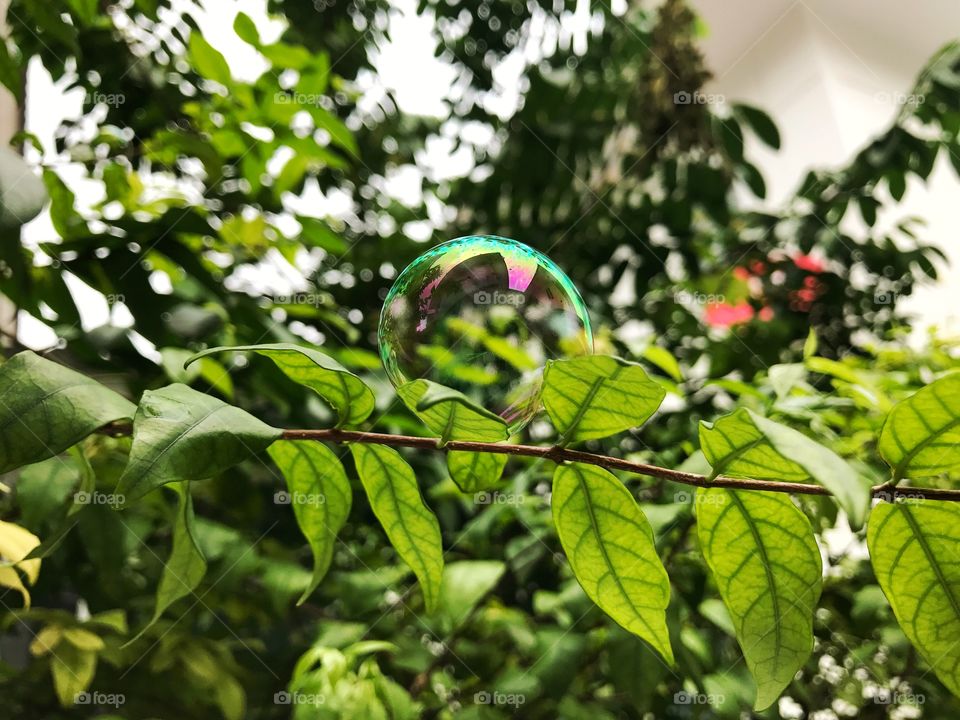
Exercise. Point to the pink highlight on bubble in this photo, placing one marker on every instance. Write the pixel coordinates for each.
(520, 271)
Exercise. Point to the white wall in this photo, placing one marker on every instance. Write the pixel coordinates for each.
(832, 75)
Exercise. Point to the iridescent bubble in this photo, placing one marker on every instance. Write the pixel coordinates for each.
(483, 314)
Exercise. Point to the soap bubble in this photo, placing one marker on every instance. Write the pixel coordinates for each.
(483, 314)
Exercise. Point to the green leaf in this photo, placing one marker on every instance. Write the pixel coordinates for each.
(764, 558)
(475, 471)
(347, 393)
(664, 360)
(43, 488)
(83, 639)
(464, 585)
(186, 565)
(611, 549)
(914, 548)
(319, 491)
(172, 361)
(921, 435)
(45, 408)
(597, 396)
(810, 344)
(182, 434)
(246, 29)
(11, 73)
(22, 193)
(73, 670)
(745, 444)
(760, 123)
(411, 527)
(208, 61)
(451, 414)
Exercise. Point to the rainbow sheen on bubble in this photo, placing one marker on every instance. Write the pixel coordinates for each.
(483, 314)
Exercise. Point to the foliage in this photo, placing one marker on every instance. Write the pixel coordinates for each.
(603, 166)
(767, 564)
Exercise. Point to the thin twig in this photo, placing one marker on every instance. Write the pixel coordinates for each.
(884, 491)
(558, 454)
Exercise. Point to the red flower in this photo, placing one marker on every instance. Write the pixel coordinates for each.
(808, 263)
(766, 313)
(741, 273)
(726, 315)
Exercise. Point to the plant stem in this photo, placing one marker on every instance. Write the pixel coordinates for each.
(558, 454)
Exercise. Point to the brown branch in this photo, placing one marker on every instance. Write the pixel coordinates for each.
(557, 454)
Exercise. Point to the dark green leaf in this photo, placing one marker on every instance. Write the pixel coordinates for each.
(182, 434)
(761, 123)
(186, 565)
(45, 408)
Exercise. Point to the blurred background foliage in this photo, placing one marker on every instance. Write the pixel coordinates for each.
(617, 166)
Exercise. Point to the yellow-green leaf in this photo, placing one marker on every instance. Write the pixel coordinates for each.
(73, 670)
(475, 471)
(346, 392)
(15, 544)
(182, 434)
(764, 558)
(83, 639)
(745, 444)
(597, 396)
(46, 640)
(208, 61)
(921, 436)
(451, 414)
(45, 408)
(610, 545)
(411, 526)
(319, 492)
(915, 552)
